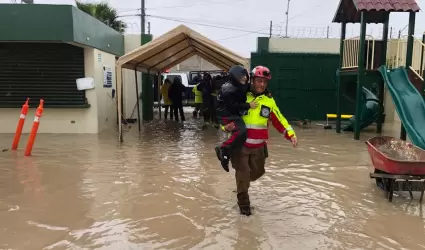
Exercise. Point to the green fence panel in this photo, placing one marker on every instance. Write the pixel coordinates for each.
(303, 84)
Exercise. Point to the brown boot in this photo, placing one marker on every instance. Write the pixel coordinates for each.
(244, 203)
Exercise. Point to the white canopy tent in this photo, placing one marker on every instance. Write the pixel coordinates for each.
(168, 50)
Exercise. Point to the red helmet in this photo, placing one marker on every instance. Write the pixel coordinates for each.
(261, 71)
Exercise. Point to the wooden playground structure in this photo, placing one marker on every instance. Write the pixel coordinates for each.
(361, 56)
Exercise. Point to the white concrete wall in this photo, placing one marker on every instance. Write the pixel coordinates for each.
(106, 105)
(131, 42)
(193, 64)
(304, 45)
(52, 120)
(101, 116)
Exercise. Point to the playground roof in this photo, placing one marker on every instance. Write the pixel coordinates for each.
(349, 10)
(176, 46)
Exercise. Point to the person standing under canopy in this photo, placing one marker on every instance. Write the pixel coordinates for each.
(175, 93)
(167, 101)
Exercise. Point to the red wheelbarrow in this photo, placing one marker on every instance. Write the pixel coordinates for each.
(399, 165)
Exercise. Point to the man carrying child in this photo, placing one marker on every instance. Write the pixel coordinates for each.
(231, 105)
(249, 159)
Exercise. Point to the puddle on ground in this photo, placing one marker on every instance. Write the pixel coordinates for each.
(165, 189)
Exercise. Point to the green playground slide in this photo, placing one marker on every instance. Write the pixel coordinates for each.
(408, 102)
(368, 113)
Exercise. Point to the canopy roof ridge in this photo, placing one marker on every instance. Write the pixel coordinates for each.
(175, 46)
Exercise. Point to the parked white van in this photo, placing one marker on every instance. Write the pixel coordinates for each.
(183, 77)
(185, 81)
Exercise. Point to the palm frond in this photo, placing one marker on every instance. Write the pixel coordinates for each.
(104, 13)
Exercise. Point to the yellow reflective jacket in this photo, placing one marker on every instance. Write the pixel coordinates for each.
(164, 93)
(257, 120)
(198, 94)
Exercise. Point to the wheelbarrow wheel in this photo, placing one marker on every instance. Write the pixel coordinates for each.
(380, 182)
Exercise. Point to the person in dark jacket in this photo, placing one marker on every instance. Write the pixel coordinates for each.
(217, 83)
(207, 99)
(197, 79)
(231, 105)
(175, 94)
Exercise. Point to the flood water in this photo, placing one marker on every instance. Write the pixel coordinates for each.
(166, 190)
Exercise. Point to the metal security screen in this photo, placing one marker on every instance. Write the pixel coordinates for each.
(41, 70)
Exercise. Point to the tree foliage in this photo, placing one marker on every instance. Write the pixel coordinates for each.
(104, 13)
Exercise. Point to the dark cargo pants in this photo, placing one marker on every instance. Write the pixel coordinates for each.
(249, 166)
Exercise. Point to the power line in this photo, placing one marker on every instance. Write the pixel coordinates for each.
(295, 16)
(199, 22)
(193, 5)
(127, 10)
(305, 11)
(209, 22)
(184, 6)
(249, 33)
(208, 25)
(129, 15)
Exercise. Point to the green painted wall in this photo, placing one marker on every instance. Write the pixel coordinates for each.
(263, 44)
(303, 84)
(100, 36)
(147, 89)
(57, 23)
(34, 22)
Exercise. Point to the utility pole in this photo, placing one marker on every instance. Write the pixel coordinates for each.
(271, 29)
(143, 15)
(287, 19)
(149, 28)
(147, 94)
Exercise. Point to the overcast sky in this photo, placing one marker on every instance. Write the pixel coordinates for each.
(237, 23)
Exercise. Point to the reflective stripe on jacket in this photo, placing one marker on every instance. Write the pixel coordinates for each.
(256, 121)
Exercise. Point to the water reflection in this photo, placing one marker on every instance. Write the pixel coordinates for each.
(164, 189)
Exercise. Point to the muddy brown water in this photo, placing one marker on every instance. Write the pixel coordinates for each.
(166, 190)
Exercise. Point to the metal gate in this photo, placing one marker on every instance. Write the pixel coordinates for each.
(41, 70)
(303, 84)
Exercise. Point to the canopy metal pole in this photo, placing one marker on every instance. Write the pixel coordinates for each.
(119, 96)
(159, 94)
(137, 100)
